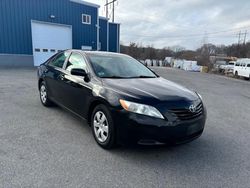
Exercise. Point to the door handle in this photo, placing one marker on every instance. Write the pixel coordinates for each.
(61, 77)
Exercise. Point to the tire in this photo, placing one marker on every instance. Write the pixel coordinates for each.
(43, 92)
(103, 127)
(236, 74)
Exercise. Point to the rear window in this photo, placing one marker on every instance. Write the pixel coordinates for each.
(59, 60)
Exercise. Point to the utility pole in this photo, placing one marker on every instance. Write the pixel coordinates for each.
(205, 38)
(242, 36)
(113, 9)
(239, 38)
(241, 42)
(107, 9)
(245, 37)
(113, 17)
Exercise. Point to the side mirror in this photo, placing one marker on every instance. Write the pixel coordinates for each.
(78, 72)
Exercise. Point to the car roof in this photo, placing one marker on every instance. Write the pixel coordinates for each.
(95, 52)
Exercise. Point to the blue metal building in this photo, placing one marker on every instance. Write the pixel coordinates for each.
(33, 30)
(114, 37)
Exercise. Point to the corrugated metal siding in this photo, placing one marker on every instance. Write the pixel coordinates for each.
(113, 37)
(16, 16)
(118, 39)
(103, 34)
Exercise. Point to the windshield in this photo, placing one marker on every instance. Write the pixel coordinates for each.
(119, 66)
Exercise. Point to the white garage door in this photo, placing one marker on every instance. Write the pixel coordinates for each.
(48, 39)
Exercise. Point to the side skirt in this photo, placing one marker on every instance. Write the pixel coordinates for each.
(65, 108)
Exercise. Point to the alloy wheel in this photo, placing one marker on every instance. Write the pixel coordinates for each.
(101, 126)
(43, 94)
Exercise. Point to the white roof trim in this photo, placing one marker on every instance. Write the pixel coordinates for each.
(103, 18)
(115, 23)
(86, 3)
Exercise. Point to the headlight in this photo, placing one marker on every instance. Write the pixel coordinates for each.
(141, 109)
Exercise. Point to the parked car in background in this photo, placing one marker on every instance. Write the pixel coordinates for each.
(218, 64)
(242, 68)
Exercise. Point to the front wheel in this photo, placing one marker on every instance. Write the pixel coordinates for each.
(103, 127)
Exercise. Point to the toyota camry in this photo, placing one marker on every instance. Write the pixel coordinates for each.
(122, 100)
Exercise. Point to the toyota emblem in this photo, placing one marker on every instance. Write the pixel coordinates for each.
(192, 108)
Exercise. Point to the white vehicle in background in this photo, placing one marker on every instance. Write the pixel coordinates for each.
(242, 68)
(218, 64)
(229, 67)
(225, 67)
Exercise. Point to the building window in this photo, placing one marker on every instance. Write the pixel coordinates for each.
(86, 19)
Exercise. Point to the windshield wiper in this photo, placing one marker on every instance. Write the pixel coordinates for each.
(143, 76)
(115, 77)
(119, 77)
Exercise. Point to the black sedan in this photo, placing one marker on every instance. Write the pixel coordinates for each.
(123, 101)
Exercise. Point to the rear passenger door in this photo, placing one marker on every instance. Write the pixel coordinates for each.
(54, 76)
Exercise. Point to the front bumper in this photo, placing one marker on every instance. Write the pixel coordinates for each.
(134, 128)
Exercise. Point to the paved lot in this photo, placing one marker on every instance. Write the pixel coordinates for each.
(48, 147)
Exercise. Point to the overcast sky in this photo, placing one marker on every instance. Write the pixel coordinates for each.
(188, 23)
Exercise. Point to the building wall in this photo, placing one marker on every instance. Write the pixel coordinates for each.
(114, 38)
(16, 60)
(16, 16)
(103, 33)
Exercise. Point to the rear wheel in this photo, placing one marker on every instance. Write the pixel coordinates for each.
(103, 127)
(44, 95)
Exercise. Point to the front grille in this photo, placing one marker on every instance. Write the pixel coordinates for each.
(186, 114)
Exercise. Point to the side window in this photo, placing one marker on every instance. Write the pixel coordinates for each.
(248, 65)
(76, 61)
(59, 60)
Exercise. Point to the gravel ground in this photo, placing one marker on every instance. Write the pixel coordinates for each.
(49, 147)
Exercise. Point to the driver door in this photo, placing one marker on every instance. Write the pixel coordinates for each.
(76, 90)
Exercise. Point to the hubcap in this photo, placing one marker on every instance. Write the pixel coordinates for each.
(43, 94)
(101, 127)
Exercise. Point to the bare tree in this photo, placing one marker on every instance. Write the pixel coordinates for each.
(204, 54)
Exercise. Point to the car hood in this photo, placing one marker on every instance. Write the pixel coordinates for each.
(150, 89)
